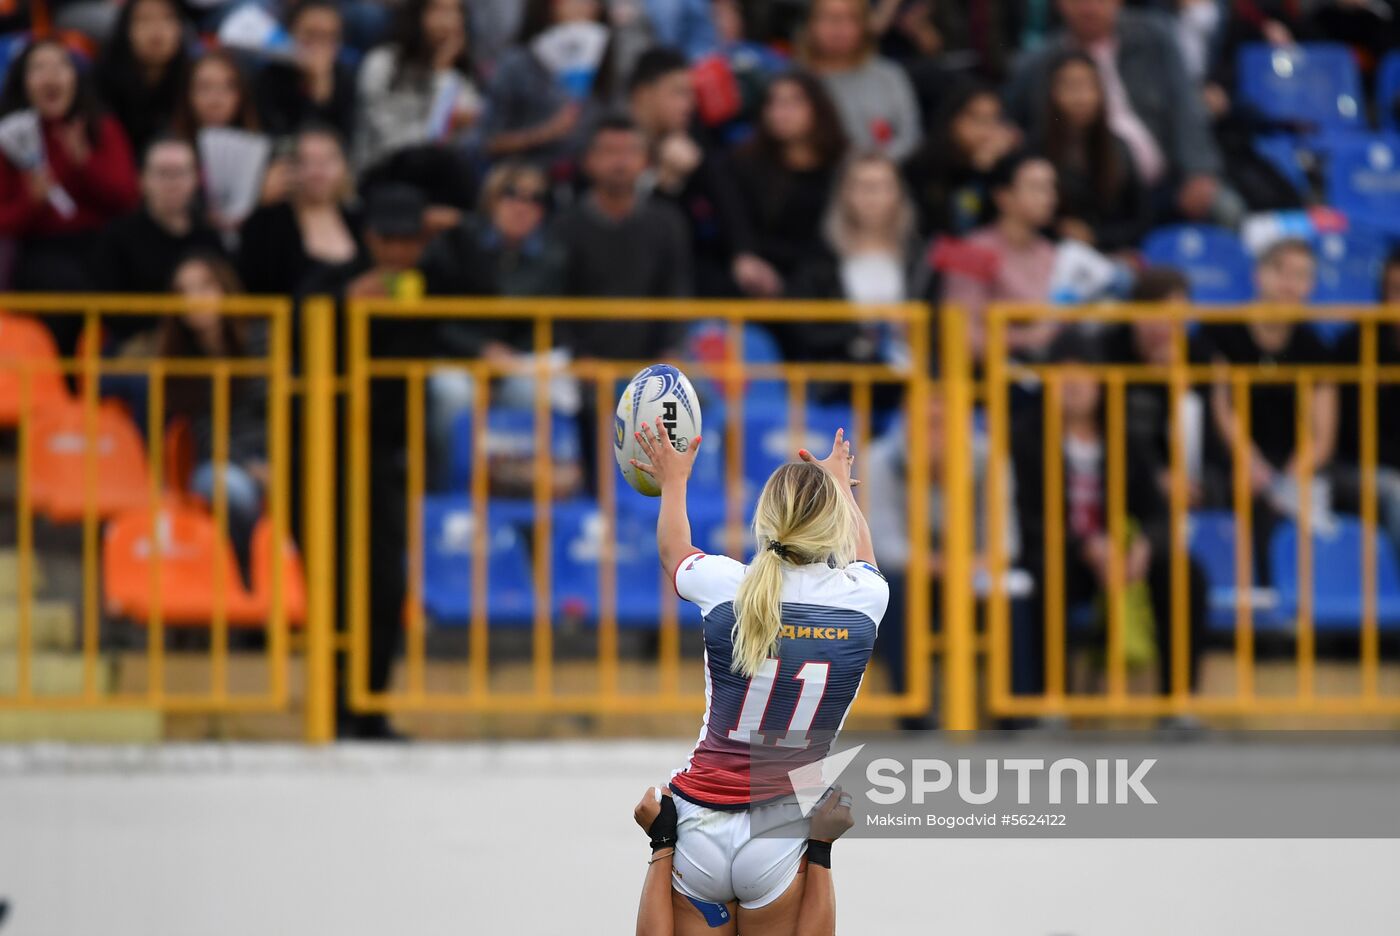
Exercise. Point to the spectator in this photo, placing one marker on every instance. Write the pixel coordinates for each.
(872, 257)
(311, 230)
(1009, 260)
(1284, 277)
(950, 174)
(1102, 201)
(419, 90)
(139, 253)
(502, 250)
(217, 95)
(142, 70)
(1151, 102)
(979, 36)
(619, 244)
(315, 87)
(1346, 477)
(55, 211)
(1145, 551)
(532, 113)
(203, 278)
(873, 95)
(685, 171)
(785, 175)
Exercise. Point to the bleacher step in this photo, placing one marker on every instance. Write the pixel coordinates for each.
(9, 574)
(53, 626)
(51, 674)
(127, 726)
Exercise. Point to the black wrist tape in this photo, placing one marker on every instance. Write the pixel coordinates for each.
(663, 827)
(819, 853)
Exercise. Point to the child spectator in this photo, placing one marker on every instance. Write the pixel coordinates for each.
(1284, 277)
(315, 87)
(142, 70)
(1102, 201)
(285, 243)
(203, 278)
(950, 174)
(1009, 260)
(54, 211)
(785, 175)
(874, 96)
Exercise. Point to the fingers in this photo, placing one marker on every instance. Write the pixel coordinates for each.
(643, 467)
(694, 449)
(804, 455)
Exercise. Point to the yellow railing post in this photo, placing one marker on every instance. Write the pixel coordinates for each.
(318, 524)
(960, 652)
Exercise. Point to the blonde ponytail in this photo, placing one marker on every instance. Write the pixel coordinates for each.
(802, 517)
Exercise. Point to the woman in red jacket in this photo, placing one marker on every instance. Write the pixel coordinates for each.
(52, 211)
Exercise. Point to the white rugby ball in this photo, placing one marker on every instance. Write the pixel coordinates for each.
(659, 391)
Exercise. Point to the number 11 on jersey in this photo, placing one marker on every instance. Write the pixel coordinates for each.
(812, 674)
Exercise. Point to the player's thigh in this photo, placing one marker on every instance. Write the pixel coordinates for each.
(778, 918)
(689, 921)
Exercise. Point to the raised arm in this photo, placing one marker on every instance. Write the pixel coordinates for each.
(838, 464)
(671, 469)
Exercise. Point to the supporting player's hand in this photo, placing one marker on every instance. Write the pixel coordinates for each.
(838, 463)
(656, 814)
(664, 463)
(832, 817)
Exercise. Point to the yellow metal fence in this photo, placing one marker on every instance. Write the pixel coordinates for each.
(336, 390)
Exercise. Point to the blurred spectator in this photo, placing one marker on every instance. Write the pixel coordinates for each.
(1009, 260)
(139, 253)
(217, 95)
(686, 172)
(1284, 277)
(950, 174)
(978, 36)
(141, 74)
(785, 174)
(533, 113)
(619, 244)
(1102, 201)
(687, 25)
(55, 210)
(201, 332)
(1145, 552)
(885, 471)
(1347, 476)
(420, 88)
(873, 95)
(1151, 101)
(312, 230)
(872, 256)
(502, 250)
(315, 87)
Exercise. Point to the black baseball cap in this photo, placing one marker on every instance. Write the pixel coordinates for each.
(395, 210)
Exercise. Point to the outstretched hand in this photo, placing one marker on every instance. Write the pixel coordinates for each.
(665, 464)
(832, 817)
(838, 463)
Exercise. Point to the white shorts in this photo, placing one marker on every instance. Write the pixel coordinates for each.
(719, 858)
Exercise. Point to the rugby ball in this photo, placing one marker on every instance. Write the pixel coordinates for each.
(659, 391)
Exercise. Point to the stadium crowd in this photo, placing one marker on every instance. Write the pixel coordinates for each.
(875, 151)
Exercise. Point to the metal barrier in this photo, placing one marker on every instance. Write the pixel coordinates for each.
(55, 430)
(607, 693)
(1179, 376)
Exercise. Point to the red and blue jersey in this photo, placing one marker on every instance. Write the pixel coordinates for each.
(792, 708)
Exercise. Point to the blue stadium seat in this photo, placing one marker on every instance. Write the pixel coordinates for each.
(509, 431)
(1363, 180)
(708, 343)
(1349, 267)
(1388, 91)
(1212, 258)
(1337, 576)
(1286, 153)
(1316, 84)
(448, 535)
(768, 440)
(1213, 548)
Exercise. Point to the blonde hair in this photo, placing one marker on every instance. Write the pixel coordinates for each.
(802, 517)
(838, 224)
